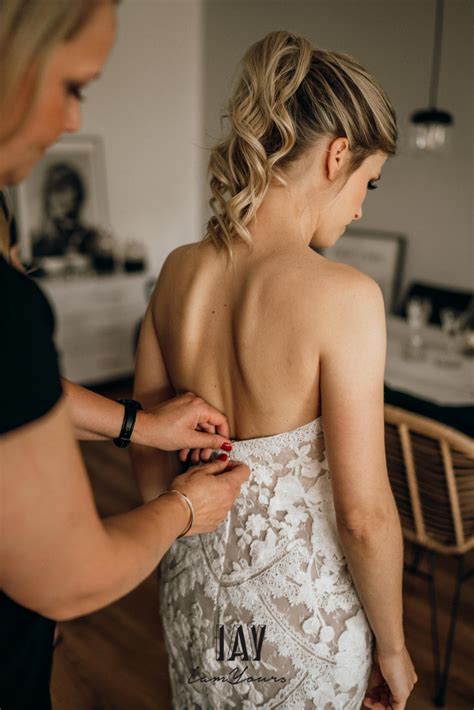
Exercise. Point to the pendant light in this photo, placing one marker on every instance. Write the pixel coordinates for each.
(431, 127)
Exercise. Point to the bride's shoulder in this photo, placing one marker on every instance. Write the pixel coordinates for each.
(175, 257)
(333, 280)
(178, 261)
(345, 279)
(340, 294)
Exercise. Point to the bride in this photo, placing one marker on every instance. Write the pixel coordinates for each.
(295, 600)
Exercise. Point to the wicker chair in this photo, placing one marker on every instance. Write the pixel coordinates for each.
(431, 471)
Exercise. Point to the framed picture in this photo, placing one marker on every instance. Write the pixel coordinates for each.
(380, 255)
(62, 205)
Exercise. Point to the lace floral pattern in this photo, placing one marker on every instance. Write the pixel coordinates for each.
(275, 561)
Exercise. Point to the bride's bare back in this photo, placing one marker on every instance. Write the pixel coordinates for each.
(248, 338)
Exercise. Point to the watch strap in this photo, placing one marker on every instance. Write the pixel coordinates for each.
(129, 417)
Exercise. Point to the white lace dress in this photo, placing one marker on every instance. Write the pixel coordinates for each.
(275, 562)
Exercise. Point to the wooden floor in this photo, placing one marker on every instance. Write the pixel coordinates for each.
(115, 659)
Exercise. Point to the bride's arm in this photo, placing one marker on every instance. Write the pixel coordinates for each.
(154, 469)
(352, 377)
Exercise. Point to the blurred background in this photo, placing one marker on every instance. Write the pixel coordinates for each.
(147, 127)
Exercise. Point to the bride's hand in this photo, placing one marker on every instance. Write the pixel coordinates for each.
(391, 681)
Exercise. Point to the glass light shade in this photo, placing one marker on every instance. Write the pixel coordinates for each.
(431, 131)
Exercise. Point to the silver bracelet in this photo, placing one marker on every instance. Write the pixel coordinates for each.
(190, 506)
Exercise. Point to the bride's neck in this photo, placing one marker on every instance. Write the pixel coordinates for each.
(286, 218)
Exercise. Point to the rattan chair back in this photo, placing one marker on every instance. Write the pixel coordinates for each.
(431, 471)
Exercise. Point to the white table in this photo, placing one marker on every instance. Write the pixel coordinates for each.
(96, 318)
(427, 379)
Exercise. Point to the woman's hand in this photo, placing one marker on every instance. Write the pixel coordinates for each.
(195, 456)
(185, 422)
(391, 681)
(212, 489)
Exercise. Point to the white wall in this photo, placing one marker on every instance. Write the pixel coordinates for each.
(427, 199)
(158, 102)
(147, 105)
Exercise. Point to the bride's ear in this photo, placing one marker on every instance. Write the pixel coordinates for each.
(337, 156)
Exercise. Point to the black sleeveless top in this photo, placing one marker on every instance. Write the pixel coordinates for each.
(30, 387)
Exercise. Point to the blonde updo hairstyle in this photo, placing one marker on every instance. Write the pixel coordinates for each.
(288, 96)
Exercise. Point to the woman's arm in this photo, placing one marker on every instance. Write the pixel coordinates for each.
(352, 372)
(95, 418)
(169, 426)
(56, 556)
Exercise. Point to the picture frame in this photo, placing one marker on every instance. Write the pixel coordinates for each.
(76, 161)
(379, 254)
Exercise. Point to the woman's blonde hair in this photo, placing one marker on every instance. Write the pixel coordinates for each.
(289, 95)
(29, 31)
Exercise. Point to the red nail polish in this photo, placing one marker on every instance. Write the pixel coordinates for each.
(222, 457)
(226, 447)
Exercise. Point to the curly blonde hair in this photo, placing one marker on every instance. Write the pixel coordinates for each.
(289, 95)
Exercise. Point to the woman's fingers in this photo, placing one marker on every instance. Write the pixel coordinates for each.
(217, 419)
(204, 440)
(223, 429)
(206, 426)
(183, 455)
(214, 467)
(195, 456)
(206, 454)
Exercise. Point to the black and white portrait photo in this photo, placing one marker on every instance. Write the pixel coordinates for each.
(62, 206)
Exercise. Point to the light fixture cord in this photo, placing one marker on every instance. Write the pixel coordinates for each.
(436, 63)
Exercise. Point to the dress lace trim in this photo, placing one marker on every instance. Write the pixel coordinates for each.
(274, 442)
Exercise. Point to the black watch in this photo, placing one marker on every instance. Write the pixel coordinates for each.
(130, 414)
